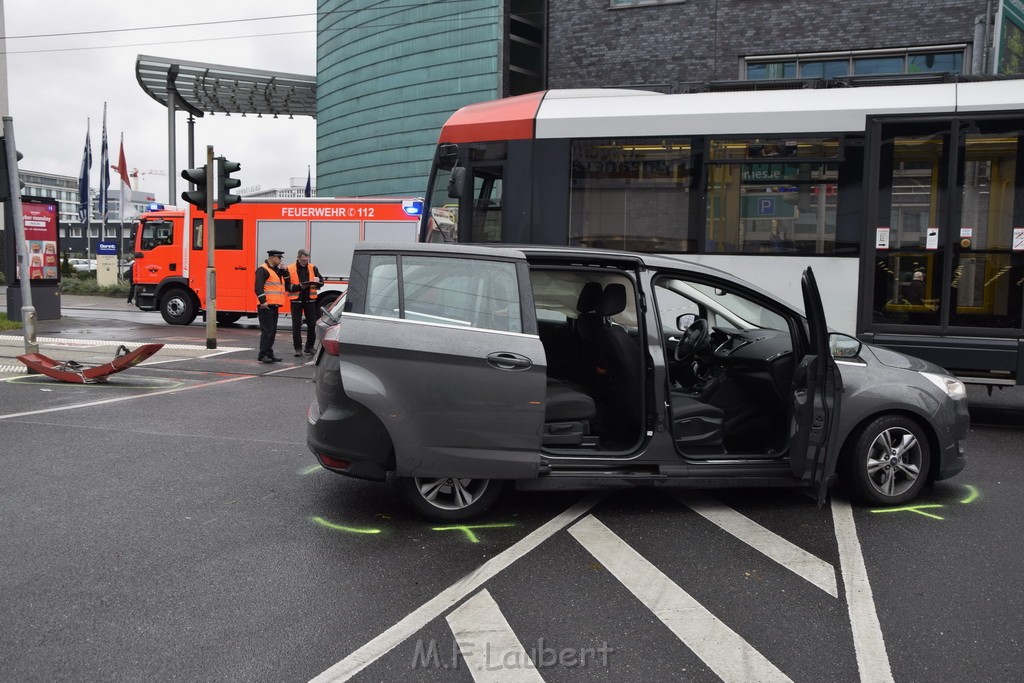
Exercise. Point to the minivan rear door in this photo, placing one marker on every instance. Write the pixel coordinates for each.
(817, 387)
(441, 343)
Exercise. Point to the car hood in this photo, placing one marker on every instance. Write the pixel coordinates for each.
(894, 359)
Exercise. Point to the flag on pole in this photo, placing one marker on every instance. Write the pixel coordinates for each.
(126, 184)
(309, 182)
(83, 180)
(104, 170)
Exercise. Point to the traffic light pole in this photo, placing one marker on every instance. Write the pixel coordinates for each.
(211, 273)
(28, 311)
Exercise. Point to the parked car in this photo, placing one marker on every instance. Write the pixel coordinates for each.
(461, 368)
(82, 264)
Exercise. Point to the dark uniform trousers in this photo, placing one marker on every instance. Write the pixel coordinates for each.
(268, 329)
(303, 309)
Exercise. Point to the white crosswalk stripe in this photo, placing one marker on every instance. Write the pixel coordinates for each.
(792, 557)
(491, 650)
(724, 651)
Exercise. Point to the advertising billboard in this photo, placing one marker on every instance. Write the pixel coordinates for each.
(41, 244)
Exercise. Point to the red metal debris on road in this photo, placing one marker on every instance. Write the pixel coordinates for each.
(77, 373)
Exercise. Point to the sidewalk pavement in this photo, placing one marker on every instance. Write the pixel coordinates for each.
(91, 301)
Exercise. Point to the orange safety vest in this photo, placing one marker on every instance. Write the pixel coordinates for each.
(274, 289)
(293, 274)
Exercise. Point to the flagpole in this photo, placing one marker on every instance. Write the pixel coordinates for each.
(104, 181)
(84, 199)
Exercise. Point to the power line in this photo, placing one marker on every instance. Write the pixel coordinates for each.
(162, 42)
(370, 24)
(347, 12)
(157, 28)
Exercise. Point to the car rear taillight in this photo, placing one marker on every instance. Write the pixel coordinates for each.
(332, 346)
(328, 461)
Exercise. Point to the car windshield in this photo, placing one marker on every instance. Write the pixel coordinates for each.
(724, 308)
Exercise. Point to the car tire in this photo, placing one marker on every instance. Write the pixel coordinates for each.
(448, 498)
(177, 307)
(228, 318)
(887, 461)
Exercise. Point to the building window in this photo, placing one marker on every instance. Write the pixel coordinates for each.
(75, 232)
(617, 4)
(947, 59)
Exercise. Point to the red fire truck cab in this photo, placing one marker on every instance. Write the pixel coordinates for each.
(171, 259)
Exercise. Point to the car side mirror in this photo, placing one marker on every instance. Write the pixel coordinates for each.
(843, 345)
(684, 321)
(457, 182)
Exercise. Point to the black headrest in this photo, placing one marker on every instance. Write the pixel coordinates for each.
(613, 300)
(590, 295)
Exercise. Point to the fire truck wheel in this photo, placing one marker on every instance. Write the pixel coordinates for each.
(177, 308)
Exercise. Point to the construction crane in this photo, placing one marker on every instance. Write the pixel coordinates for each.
(135, 173)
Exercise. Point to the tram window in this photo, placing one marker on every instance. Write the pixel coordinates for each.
(988, 276)
(772, 196)
(487, 196)
(632, 193)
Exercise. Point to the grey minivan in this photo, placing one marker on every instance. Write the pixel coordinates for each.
(463, 368)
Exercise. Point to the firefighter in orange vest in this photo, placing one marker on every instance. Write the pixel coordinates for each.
(270, 293)
(303, 282)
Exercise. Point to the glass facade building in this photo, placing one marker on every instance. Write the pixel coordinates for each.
(388, 76)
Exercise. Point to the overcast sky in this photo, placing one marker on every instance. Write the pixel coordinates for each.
(53, 89)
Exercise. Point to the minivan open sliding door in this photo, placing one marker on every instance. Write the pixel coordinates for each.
(817, 386)
(440, 342)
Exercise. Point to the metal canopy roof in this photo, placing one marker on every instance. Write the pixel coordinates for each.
(200, 88)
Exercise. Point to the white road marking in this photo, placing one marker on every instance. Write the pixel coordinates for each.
(93, 343)
(868, 642)
(722, 649)
(792, 557)
(491, 649)
(133, 397)
(439, 604)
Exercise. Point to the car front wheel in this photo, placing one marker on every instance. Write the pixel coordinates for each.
(448, 498)
(887, 463)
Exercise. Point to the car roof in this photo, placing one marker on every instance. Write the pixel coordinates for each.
(541, 254)
(534, 252)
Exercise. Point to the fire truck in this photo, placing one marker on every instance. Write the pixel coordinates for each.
(171, 246)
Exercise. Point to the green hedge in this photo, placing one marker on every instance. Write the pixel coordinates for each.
(85, 283)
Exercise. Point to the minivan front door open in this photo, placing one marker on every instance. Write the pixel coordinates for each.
(817, 386)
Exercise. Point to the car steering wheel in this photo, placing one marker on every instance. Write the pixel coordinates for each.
(693, 338)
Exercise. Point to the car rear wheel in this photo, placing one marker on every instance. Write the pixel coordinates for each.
(177, 307)
(448, 498)
(888, 461)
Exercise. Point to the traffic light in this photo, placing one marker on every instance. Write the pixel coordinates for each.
(197, 195)
(5, 174)
(225, 183)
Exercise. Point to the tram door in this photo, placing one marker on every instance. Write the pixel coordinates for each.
(948, 207)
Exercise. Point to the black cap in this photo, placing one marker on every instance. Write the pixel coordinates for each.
(275, 252)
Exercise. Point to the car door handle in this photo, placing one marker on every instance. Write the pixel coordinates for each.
(509, 361)
(241, 268)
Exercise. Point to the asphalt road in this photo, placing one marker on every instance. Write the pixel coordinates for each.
(171, 523)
